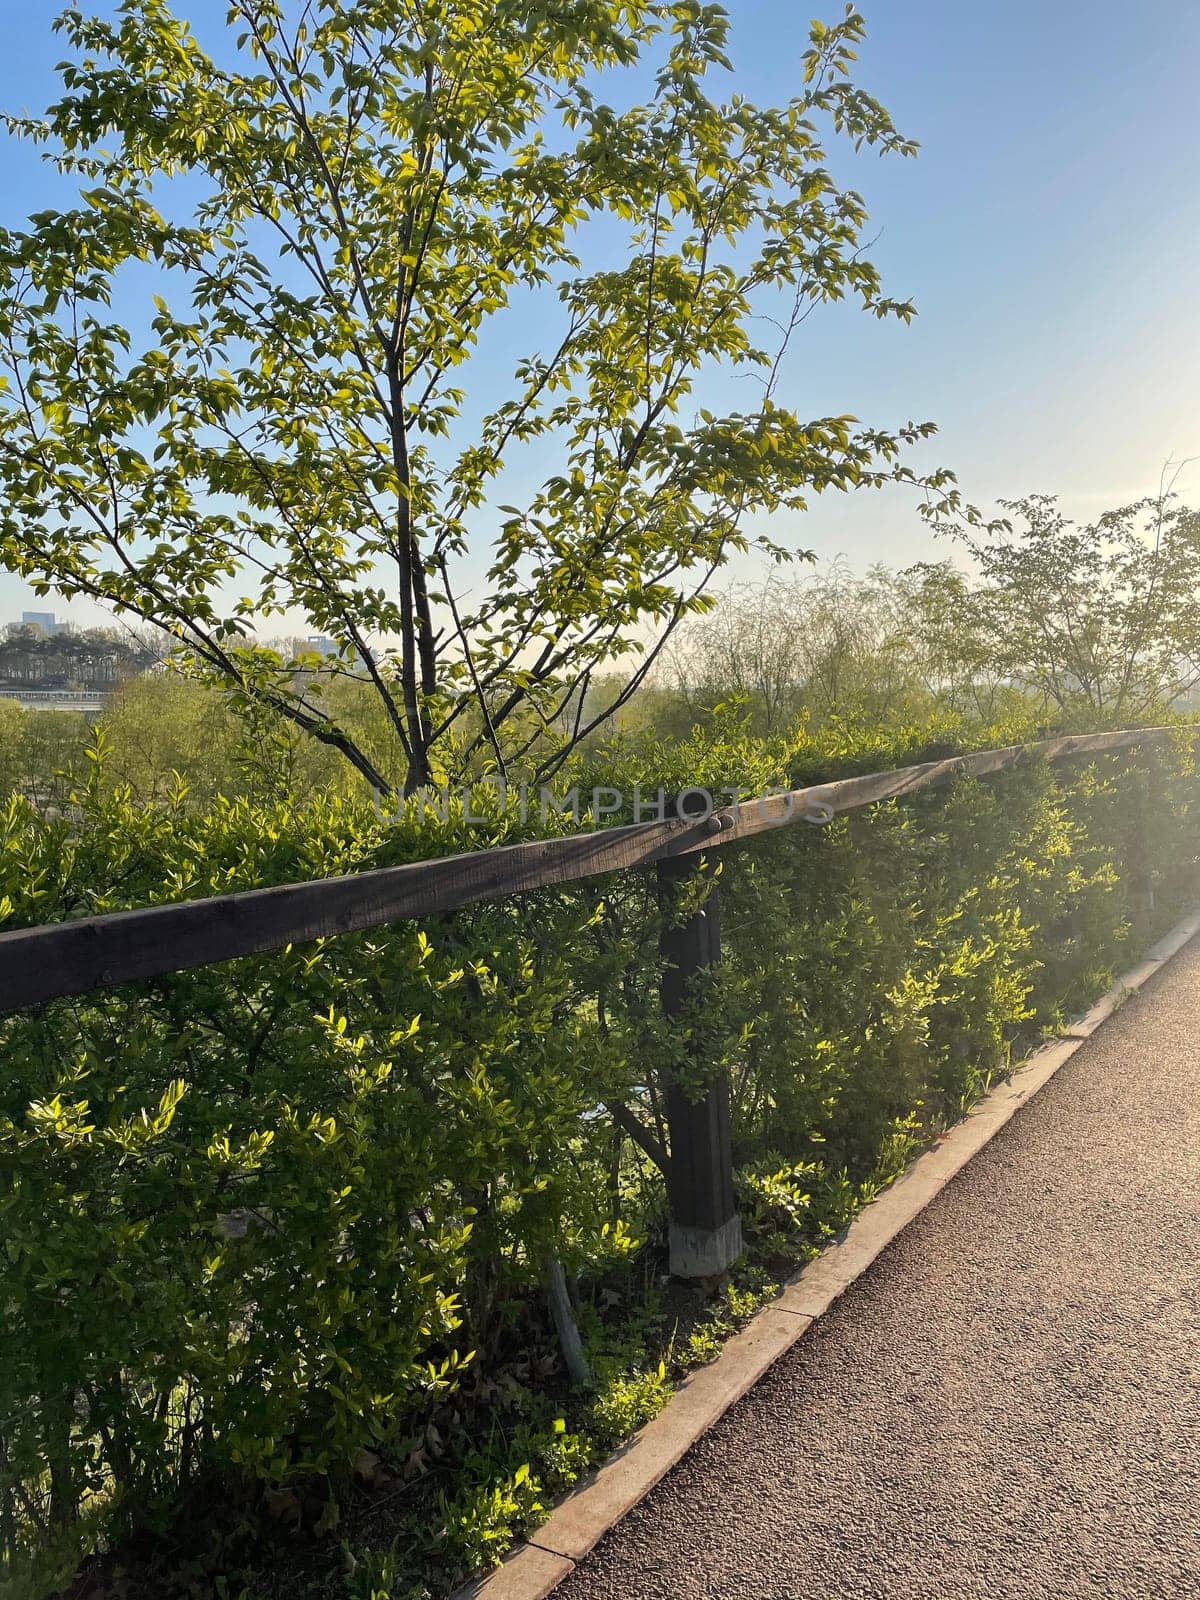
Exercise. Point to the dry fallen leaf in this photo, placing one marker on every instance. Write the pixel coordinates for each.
(370, 1470)
(283, 1505)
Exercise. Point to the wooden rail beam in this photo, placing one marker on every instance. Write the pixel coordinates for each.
(55, 960)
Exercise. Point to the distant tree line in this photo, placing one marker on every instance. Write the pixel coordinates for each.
(93, 658)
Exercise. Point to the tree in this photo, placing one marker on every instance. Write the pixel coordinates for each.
(747, 647)
(40, 748)
(12, 741)
(955, 647)
(1099, 619)
(860, 652)
(341, 204)
(163, 730)
(835, 642)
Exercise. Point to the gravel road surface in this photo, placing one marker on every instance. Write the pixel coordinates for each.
(1008, 1403)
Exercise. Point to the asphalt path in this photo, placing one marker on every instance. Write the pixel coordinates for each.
(1007, 1404)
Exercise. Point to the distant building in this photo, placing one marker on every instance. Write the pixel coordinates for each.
(45, 620)
(321, 645)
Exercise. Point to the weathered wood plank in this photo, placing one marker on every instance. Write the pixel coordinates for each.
(66, 958)
(69, 958)
(753, 817)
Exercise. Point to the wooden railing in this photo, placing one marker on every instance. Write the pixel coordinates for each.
(53, 961)
(72, 699)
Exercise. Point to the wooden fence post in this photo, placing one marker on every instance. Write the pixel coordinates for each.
(1148, 774)
(705, 1229)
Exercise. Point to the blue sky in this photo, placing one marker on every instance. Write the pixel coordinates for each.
(1049, 233)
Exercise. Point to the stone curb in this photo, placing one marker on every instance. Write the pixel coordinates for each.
(598, 1504)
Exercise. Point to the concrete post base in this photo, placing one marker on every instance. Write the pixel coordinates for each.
(705, 1252)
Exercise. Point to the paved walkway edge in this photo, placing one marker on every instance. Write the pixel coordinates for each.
(599, 1503)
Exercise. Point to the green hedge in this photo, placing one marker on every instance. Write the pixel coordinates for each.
(261, 1218)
